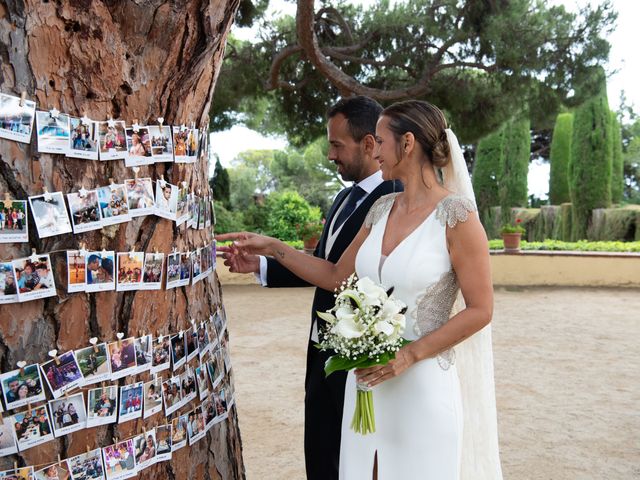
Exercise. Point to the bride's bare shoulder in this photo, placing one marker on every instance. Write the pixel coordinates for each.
(379, 208)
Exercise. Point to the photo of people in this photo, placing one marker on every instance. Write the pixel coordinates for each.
(152, 397)
(22, 386)
(139, 145)
(195, 425)
(119, 460)
(140, 196)
(8, 287)
(102, 406)
(179, 432)
(76, 271)
(143, 346)
(16, 122)
(201, 379)
(161, 144)
(207, 212)
(7, 440)
(166, 200)
(178, 351)
(32, 427)
(220, 401)
(204, 345)
(203, 210)
(68, 414)
(57, 471)
(163, 443)
(62, 373)
(52, 132)
(94, 363)
(34, 278)
(196, 263)
(130, 271)
(205, 260)
(130, 402)
(161, 354)
(185, 141)
(123, 358)
(83, 139)
(99, 271)
(191, 336)
(178, 270)
(182, 212)
(85, 211)
(209, 413)
(114, 206)
(87, 466)
(145, 449)
(172, 395)
(14, 223)
(188, 385)
(194, 209)
(112, 138)
(50, 216)
(215, 369)
(152, 276)
(23, 473)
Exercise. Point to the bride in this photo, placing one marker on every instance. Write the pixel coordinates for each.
(426, 242)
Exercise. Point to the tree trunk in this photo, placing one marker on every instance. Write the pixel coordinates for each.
(134, 60)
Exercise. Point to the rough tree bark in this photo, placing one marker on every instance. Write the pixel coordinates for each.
(122, 59)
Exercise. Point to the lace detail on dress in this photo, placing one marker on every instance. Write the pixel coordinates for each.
(433, 309)
(379, 208)
(453, 209)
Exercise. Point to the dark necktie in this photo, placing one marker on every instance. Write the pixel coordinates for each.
(355, 194)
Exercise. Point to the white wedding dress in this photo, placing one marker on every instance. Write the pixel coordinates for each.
(418, 415)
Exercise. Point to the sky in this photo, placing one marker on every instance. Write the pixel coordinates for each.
(623, 70)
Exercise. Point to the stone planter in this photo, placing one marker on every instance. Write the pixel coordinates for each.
(511, 242)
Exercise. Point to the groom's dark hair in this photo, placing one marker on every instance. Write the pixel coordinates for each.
(361, 112)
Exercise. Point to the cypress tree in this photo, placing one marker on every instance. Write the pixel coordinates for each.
(590, 166)
(486, 171)
(617, 163)
(560, 155)
(219, 183)
(515, 166)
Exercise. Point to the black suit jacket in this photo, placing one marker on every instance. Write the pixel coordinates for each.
(279, 276)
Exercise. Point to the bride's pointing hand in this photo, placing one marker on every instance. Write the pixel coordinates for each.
(249, 243)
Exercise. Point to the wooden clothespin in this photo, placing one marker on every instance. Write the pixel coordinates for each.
(83, 248)
(135, 127)
(120, 336)
(111, 122)
(162, 181)
(180, 334)
(88, 448)
(82, 192)
(156, 254)
(59, 459)
(85, 120)
(160, 121)
(21, 364)
(47, 196)
(8, 202)
(135, 172)
(94, 341)
(54, 354)
(15, 465)
(112, 184)
(132, 251)
(23, 98)
(34, 256)
(54, 112)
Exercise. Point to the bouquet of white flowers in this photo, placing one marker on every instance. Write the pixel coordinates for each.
(364, 328)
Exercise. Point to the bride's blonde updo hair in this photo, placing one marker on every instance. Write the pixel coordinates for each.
(427, 124)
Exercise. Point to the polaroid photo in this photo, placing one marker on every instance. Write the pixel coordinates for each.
(161, 354)
(206, 260)
(203, 209)
(146, 448)
(22, 473)
(7, 440)
(102, 406)
(22, 386)
(140, 196)
(196, 257)
(56, 471)
(171, 395)
(94, 363)
(193, 202)
(68, 414)
(130, 402)
(220, 403)
(119, 460)
(179, 432)
(213, 254)
(223, 321)
(231, 398)
(166, 200)
(163, 442)
(34, 278)
(188, 385)
(204, 343)
(209, 413)
(14, 221)
(178, 351)
(87, 466)
(215, 369)
(226, 356)
(182, 209)
(152, 272)
(62, 373)
(130, 267)
(191, 336)
(76, 271)
(99, 270)
(201, 379)
(83, 139)
(113, 142)
(52, 132)
(207, 213)
(114, 206)
(122, 354)
(50, 214)
(152, 397)
(196, 428)
(213, 333)
(178, 270)
(16, 121)
(161, 143)
(139, 146)
(213, 212)
(8, 284)
(185, 141)
(85, 211)
(32, 427)
(144, 346)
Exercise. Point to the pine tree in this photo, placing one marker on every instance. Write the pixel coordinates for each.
(617, 164)
(512, 182)
(560, 156)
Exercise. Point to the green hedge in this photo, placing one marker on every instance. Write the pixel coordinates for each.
(486, 171)
(617, 163)
(516, 153)
(581, 246)
(560, 155)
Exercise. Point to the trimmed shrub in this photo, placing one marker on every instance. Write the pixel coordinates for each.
(545, 225)
(226, 220)
(560, 155)
(492, 222)
(486, 172)
(617, 163)
(512, 184)
(581, 246)
(562, 227)
(615, 224)
(286, 211)
(528, 219)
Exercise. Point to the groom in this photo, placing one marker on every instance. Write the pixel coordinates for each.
(351, 133)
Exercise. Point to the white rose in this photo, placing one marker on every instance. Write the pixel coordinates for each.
(374, 294)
